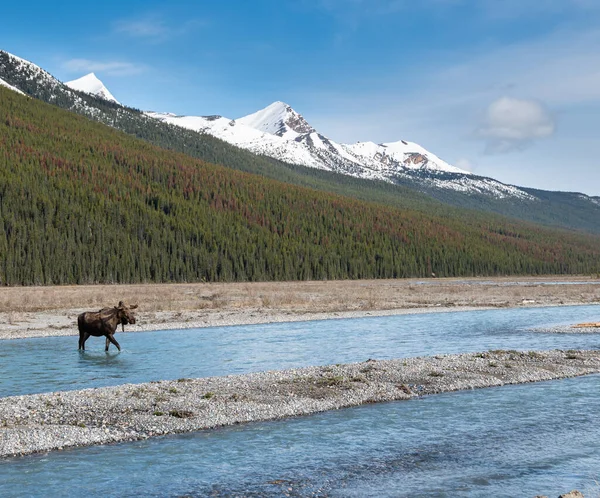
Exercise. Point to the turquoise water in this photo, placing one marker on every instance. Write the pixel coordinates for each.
(513, 441)
(54, 364)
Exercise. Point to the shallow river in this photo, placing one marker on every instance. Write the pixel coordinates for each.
(53, 363)
(512, 441)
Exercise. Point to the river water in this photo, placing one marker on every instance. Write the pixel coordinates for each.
(512, 441)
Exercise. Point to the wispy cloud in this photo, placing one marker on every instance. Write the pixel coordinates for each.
(154, 28)
(491, 9)
(114, 68)
(350, 15)
(560, 69)
(510, 9)
(513, 124)
(142, 28)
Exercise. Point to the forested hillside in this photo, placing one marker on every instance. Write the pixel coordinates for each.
(568, 210)
(83, 203)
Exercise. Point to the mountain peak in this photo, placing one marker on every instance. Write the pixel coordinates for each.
(278, 119)
(278, 104)
(92, 85)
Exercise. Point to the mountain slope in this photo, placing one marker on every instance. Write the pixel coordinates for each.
(422, 189)
(83, 203)
(281, 120)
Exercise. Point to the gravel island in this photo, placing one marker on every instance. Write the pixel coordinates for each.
(60, 420)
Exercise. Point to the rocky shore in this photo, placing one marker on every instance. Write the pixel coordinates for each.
(55, 421)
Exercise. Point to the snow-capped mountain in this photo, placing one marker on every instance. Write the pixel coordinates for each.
(278, 119)
(29, 78)
(276, 131)
(280, 132)
(92, 85)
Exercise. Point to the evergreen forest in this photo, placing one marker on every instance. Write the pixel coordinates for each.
(81, 202)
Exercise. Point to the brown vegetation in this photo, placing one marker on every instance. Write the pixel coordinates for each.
(308, 297)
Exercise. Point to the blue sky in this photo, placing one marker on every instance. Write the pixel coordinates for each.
(505, 88)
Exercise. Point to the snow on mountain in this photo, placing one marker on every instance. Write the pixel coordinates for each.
(5, 84)
(278, 119)
(593, 200)
(30, 78)
(244, 137)
(280, 132)
(24, 70)
(276, 131)
(410, 155)
(91, 84)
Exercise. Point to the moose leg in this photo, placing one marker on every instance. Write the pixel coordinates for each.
(107, 344)
(113, 340)
(83, 336)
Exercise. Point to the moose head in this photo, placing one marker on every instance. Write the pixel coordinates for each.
(125, 315)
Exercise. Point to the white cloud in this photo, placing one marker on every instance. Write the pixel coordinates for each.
(115, 68)
(512, 124)
(153, 28)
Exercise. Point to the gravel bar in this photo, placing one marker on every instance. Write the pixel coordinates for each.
(565, 329)
(61, 420)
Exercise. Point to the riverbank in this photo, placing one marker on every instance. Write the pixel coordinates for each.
(52, 311)
(56, 421)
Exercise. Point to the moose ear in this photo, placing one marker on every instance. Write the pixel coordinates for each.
(121, 304)
(133, 306)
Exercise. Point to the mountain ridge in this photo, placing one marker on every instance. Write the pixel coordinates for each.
(425, 189)
(281, 132)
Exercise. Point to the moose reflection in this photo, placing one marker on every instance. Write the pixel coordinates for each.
(104, 323)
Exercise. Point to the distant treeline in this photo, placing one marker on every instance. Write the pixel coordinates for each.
(83, 203)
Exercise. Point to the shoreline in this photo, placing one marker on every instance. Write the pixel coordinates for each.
(52, 311)
(45, 323)
(64, 322)
(68, 419)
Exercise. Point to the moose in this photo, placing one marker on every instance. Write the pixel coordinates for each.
(104, 323)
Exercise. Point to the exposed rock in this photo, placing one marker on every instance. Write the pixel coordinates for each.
(572, 494)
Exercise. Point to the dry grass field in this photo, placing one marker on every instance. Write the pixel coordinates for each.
(28, 311)
(319, 296)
